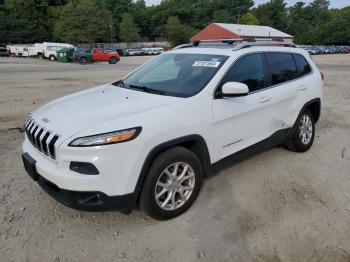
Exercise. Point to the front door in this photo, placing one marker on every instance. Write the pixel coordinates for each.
(240, 122)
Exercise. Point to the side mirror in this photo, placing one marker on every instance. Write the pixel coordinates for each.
(232, 89)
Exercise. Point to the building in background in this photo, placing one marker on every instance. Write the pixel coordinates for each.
(238, 31)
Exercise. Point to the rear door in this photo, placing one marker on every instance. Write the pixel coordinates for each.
(240, 122)
(282, 73)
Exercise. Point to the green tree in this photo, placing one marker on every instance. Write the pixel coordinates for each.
(128, 31)
(176, 32)
(83, 21)
(24, 21)
(262, 13)
(278, 14)
(337, 31)
(222, 16)
(249, 19)
(236, 8)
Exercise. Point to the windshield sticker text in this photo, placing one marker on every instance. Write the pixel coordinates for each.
(206, 63)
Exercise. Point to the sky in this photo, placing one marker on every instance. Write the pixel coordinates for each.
(334, 3)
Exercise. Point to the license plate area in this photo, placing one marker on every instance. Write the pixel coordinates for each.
(29, 166)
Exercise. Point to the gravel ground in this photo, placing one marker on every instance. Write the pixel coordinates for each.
(277, 206)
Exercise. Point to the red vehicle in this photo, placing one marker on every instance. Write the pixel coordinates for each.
(102, 55)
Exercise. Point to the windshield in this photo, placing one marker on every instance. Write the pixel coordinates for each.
(181, 75)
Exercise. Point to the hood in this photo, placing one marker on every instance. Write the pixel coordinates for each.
(74, 113)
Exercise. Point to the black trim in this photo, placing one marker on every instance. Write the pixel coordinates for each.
(202, 150)
(88, 200)
(138, 131)
(315, 100)
(84, 168)
(232, 95)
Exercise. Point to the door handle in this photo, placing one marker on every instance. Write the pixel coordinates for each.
(264, 99)
(302, 87)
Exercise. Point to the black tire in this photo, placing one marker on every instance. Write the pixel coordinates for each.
(148, 202)
(112, 60)
(295, 143)
(83, 60)
(52, 58)
(40, 56)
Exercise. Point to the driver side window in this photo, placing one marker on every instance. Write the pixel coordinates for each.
(248, 70)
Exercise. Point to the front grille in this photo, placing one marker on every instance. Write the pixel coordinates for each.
(41, 138)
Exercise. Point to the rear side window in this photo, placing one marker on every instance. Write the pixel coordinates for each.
(248, 70)
(282, 67)
(304, 67)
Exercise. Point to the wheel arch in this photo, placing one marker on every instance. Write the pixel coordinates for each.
(194, 143)
(314, 106)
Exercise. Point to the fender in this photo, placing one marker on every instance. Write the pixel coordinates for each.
(307, 104)
(200, 148)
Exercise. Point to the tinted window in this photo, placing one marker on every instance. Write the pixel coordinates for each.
(248, 70)
(281, 67)
(303, 66)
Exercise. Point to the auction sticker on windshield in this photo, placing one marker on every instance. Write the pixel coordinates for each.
(206, 63)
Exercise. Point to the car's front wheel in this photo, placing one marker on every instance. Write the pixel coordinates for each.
(172, 184)
(304, 133)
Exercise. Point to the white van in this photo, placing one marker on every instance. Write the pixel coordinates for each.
(47, 49)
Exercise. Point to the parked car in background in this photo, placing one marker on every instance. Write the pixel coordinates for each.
(102, 55)
(152, 50)
(322, 50)
(121, 52)
(23, 52)
(4, 51)
(18, 50)
(84, 56)
(134, 51)
(311, 51)
(81, 55)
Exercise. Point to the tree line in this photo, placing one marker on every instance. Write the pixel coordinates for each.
(89, 21)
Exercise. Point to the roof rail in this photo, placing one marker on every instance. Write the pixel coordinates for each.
(240, 43)
(228, 41)
(263, 43)
(183, 46)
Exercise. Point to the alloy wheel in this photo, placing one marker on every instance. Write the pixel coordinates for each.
(305, 129)
(175, 186)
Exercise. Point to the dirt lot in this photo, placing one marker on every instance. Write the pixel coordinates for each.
(277, 206)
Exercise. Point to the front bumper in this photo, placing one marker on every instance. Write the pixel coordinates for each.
(118, 171)
(88, 201)
(80, 200)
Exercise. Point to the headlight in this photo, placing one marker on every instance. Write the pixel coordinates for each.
(107, 138)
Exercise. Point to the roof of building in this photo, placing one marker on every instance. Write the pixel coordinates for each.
(253, 30)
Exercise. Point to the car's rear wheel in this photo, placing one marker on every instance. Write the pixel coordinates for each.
(113, 60)
(83, 60)
(172, 184)
(304, 133)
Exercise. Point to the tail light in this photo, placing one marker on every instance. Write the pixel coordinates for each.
(322, 76)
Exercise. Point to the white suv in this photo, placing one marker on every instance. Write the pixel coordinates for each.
(149, 139)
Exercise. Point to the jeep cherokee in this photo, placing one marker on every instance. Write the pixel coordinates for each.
(149, 139)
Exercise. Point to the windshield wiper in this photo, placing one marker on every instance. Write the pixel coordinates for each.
(146, 89)
(119, 83)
